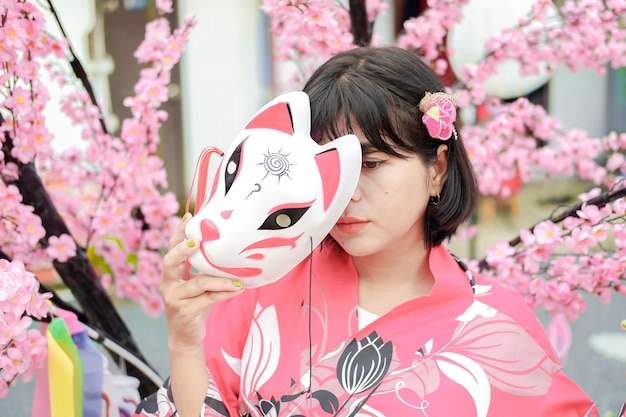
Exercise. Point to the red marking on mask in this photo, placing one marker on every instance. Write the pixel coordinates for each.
(238, 272)
(256, 256)
(226, 214)
(201, 174)
(209, 230)
(291, 206)
(273, 242)
(276, 117)
(330, 169)
(214, 184)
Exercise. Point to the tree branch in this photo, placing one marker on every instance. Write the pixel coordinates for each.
(79, 70)
(361, 28)
(599, 201)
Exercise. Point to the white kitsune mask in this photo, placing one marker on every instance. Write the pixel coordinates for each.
(275, 197)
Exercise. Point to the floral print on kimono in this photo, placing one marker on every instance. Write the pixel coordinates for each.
(484, 350)
(469, 348)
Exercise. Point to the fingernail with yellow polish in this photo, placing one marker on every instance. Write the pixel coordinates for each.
(237, 283)
(186, 217)
(191, 243)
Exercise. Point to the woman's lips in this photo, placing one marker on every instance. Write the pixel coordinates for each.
(350, 225)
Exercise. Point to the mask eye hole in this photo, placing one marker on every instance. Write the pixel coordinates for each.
(232, 167)
(283, 218)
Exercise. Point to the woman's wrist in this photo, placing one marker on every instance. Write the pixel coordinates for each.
(182, 348)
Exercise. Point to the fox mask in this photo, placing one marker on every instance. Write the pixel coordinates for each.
(275, 196)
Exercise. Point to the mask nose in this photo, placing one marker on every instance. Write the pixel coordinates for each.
(209, 230)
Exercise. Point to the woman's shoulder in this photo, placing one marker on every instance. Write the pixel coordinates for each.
(511, 303)
(502, 296)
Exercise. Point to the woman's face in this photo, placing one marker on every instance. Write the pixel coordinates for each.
(386, 212)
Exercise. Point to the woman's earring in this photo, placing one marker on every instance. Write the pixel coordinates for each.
(435, 201)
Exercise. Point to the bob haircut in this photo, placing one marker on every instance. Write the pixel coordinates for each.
(379, 90)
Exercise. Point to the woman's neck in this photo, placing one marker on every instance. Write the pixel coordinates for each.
(388, 281)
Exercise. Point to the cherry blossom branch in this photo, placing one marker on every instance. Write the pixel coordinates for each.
(78, 68)
(126, 223)
(589, 36)
(361, 28)
(599, 201)
(572, 211)
(77, 272)
(32, 228)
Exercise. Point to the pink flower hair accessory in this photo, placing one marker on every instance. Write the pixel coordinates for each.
(439, 114)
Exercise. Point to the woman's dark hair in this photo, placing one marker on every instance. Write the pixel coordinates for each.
(379, 90)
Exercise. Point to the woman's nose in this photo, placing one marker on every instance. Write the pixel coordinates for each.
(356, 196)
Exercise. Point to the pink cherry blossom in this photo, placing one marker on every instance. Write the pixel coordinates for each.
(547, 233)
(61, 248)
(152, 304)
(22, 350)
(592, 214)
(164, 6)
(580, 240)
(466, 233)
(499, 252)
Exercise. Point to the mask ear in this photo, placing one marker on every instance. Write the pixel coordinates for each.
(277, 117)
(330, 170)
(339, 165)
(200, 175)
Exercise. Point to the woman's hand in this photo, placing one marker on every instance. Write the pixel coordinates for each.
(189, 297)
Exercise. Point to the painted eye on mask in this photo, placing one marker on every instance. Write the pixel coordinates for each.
(283, 218)
(232, 167)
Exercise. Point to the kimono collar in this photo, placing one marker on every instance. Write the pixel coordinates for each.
(451, 275)
(442, 262)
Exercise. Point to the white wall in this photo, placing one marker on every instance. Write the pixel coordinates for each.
(579, 100)
(222, 73)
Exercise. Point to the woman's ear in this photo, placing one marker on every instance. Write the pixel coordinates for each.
(439, 171)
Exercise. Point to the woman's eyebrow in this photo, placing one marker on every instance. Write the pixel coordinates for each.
(368, 148)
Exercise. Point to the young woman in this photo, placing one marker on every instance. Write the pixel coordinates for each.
(381, 320)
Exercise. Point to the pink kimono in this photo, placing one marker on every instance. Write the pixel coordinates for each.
(293, 348)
